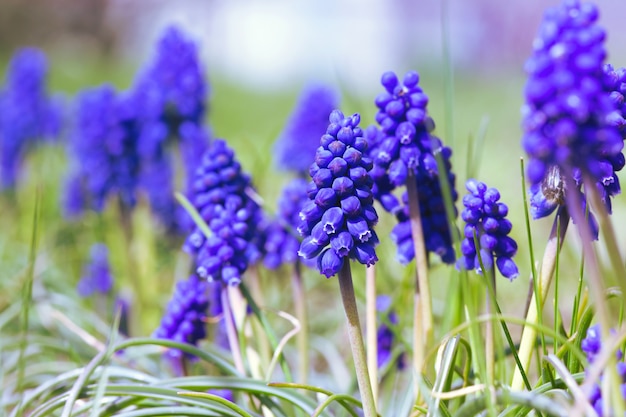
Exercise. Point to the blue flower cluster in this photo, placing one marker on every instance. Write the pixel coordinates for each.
(404, 144)
(27, 114)
(297, 143)
(385, 335)
(184, 319)
(339, 218)
(103, 145)
(282, 241)
(97, 273)
(172, 94)
(570, 120)
(591, 345)
(485, 218)
(221, 197)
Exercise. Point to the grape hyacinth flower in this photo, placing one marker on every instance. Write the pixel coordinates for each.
(184, 320)
(485, 218)
(97, 273)
(296, 145)
(104, 147)
(221, 197)
(570, 121)
(27, 114)
(281, 238)
(385, 335)
(405, 145)
(339, 218)
(172, 94)
(591, 345)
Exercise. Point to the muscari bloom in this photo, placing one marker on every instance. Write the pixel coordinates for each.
(339, 218)
(297, 143)
(404, 144)
(97, 273)
(221, 196)
(570, 120)
(103, 150)
(172, 94)
(27, 113)
(385, 335)
(281, 238)
(485, 218)
(184, 319)
(591, 346)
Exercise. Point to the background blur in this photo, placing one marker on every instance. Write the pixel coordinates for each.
(258, 54)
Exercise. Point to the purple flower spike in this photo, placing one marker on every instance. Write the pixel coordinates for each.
(97, 273)
(484, 215)
(295, 148)
(573, 118)
(345, 227)
(385, 336)
(27, 113)
(185, 318)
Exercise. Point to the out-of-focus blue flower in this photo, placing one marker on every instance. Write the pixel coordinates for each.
(591, 345)
(221, 197)
(340, 216)
(27, 114)
(485, 218)
(572, 117)
(172, 94)
(296, 145)
(104, 146)
(97, 273)
(184, 319)
(385, 335)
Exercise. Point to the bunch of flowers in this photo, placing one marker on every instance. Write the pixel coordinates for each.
(403, 146)
(221, 197)
(570, 120)
(485, 218)
(339, 218)
(97, 273)
(27, 113)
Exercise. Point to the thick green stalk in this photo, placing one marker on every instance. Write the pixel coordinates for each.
(548, 264)
(356, 339)
(423, 316)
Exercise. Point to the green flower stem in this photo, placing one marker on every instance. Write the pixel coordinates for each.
(356, 339)
(423, 316)
(548, 265)
(301, 312)
(370, 328)
(231, 330)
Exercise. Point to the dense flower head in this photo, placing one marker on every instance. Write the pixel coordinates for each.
(339, 217)
(184, 319)
(299, 139)
(485, 218)
(384, 335)
(97, 275)
(405, 144)
(173, 85)
(27, 113)
(221, 196)
(591, 346)
(435, 225)
(103, 146)
(569, 117)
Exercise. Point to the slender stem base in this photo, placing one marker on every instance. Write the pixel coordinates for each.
(548, 264)
(370, 328)
(301, 312)
(356, 339)
(231, 330)
(423, 316)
